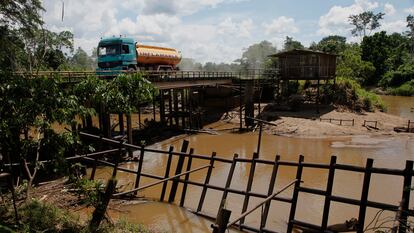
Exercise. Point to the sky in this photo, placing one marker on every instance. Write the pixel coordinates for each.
(216, 30)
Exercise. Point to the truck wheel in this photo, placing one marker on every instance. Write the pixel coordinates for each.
(131, 70)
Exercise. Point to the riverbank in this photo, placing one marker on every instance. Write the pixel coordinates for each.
(329, 122)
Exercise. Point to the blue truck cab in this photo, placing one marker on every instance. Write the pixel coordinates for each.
(116, 55)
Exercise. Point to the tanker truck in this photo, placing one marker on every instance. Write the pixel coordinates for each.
(125, 54)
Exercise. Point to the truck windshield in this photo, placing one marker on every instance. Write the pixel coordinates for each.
(112, 49)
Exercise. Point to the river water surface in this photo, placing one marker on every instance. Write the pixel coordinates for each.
(387, 151)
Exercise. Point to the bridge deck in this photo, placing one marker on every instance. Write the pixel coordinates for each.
(161, 79)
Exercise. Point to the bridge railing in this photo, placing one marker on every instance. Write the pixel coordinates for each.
(76, 76)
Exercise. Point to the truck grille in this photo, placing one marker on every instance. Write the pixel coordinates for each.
(109, 64)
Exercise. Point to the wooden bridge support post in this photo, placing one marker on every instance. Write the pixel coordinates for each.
(183, 104)
(175, 100)
(259, 142)
(139, 117)
(167, 173)
(295, 194)
(121, 124)
(153, 106)
(190, 107)
(318, 98)
(249, 104)
(206, 182)
(329, 188)
(249, 186)
(364, 196)
(408, 172)
(129, 133)
(240, 104)
(270, 191)
(187, 177)
(178, 170)
(170, 110)
(162, 107)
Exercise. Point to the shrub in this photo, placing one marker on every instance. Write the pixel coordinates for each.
(407, 89)
(41, 217)
(348, 92)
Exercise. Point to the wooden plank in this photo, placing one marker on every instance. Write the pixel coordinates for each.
(187, 177)
(178, 170)
(206, 182)
(139, 169)
(167, 172)
(249, 185)
(270, 191)
(295, 194)
(364, 196)
(228, 183)
(329, 187)
(406, 196)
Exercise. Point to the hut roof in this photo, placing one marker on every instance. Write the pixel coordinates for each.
(300, 52)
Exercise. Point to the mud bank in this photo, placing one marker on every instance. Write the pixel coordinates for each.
(329, 122)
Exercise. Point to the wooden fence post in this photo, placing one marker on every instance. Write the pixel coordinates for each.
(364, 196)
(178, 170)
(249, 185)
(221, 221)
(167, 173)
(117, 159)
(328, 194)
(187, 176)
(408, 172)
(270, 191)
(99, 213)
(295, 194)
(139, 169)
(206, 182)
(228, 183)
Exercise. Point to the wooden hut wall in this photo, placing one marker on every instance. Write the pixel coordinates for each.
(307, 66)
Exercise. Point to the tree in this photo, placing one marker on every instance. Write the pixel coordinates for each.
(28, 108)
(292, 44)
(364, 21)
(351, 66)
(81, 60)
(330, 44)
(256, 55)
(385, 52)
(24, 43)
(39, 45)
(410, 33)
(21, 13)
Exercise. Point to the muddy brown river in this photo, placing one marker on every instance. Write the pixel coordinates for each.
(387, 151)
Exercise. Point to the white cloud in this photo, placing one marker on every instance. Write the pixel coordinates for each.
(281, 25)
(336, 21)
(409, 10)
(389, 9)
(394, 26)
(237, 29)
(157, 22)
(182, 7)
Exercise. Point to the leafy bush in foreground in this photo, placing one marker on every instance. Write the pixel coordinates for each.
(36, 216)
